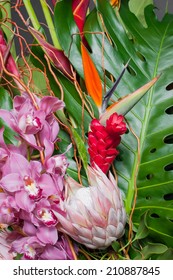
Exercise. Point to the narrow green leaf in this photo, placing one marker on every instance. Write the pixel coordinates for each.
(68, 33)
(81, 148)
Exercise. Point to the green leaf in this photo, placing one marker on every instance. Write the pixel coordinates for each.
(6, 103)
(142, 231)
(146, 154)
(73, 172)
(116, 246)
(64, 142)
(137, 7)
(168, 255)
(5, 100)
(81, 148)
(152, 249)
(68, 33)
(9, 134)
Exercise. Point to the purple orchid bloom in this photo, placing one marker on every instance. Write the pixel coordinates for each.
(8, 209)
(25, 181)
(28, 121)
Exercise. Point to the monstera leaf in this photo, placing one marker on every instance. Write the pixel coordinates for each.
(145, 164)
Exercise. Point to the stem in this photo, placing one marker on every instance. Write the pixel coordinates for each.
(60, 114)
(166, 7)
(50, 24)
(32, 14)
(71, 247)
(8, 25)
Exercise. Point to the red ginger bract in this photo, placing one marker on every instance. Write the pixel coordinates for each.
(103, 140)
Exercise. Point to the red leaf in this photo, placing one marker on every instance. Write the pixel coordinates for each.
(80, 8)
(57, 57)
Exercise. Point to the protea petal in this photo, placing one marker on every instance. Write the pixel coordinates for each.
(94, 215)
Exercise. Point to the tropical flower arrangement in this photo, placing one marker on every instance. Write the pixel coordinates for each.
(86, 135)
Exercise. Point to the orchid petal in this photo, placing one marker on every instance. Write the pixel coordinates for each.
(11, 182)
(47, 235)
(50, 104)
(24, 202)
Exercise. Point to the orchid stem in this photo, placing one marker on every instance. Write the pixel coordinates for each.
(50, 24)
(71, 247)
(32, 14)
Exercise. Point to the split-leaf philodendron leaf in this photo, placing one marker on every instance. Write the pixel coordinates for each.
(146, 152)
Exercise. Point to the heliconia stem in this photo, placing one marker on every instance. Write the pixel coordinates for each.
(32, 14)
(7, 27)
(50, 24)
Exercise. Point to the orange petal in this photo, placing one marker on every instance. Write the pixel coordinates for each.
(115, 3)
(92, 79)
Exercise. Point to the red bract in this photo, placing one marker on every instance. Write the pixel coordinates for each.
(79, 12)
(79, 8)
(103, 140)
(57, 57)
(9, 61)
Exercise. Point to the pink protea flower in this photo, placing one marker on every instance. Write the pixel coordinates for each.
(94, 216)
(103, 140)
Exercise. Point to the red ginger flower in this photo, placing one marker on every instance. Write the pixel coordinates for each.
(103, 140)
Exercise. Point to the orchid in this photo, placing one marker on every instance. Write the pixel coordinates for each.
(28, 120)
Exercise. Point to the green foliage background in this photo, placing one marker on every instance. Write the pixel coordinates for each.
(145, 164)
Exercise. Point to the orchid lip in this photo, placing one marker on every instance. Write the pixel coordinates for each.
(33, 121)
(47, 217)
(29, 252)
(36, 122)
(34, 191)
